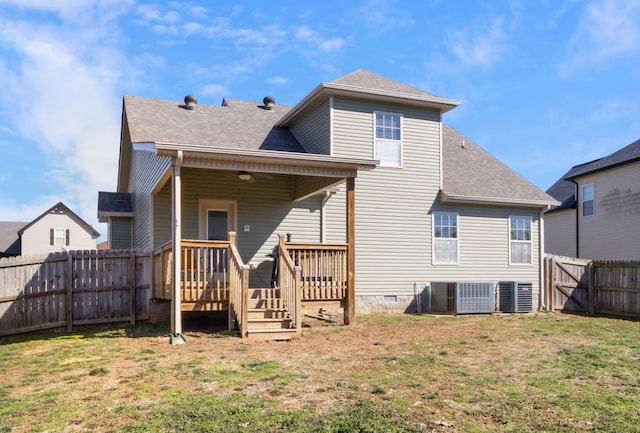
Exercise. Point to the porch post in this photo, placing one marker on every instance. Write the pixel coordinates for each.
(176, 274)
(350, 304)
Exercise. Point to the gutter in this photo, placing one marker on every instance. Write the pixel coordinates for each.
(577, 218)
(470, 199)
(541, 304)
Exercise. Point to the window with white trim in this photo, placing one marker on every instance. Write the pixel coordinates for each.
(520, 240)
(388, 139)
(59, 237)
(445, 238)
(587, 199)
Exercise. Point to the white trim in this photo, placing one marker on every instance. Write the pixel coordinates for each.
(440, 174)
(145, 146)
(331, 113)
(56, 230)
(205, 205)
(530, 241)
(433, 239)
(384, 140)
(471, 199)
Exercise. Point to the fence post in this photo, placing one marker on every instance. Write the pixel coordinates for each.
(69, 283)
(132, 288)
(591, 289)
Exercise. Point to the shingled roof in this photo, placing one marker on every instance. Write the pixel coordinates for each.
(470, 173)
(9, 239)
(564, 190)
(234, 125)
(368, 80)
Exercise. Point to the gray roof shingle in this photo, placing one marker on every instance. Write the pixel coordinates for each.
(369, 80)
(9, 239)
(234, 125)
(473, 172)
(626, 155)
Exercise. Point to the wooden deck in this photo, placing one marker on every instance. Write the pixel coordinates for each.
(214, 278)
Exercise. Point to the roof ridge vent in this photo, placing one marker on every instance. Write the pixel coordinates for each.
(269, 102)
(190, 102)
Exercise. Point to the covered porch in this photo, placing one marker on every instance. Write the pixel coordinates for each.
(229, 271)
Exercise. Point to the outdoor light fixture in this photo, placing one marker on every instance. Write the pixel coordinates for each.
(243, 175)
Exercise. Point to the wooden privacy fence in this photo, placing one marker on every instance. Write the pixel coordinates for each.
(593, 287)
(73, 288)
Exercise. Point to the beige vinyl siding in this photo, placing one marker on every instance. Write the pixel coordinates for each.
(120, 233)
(36, 238)
(612, 233)
(353, 127)
(392, 204)
(560, 233)
(147, 169)
(162, 231)
(264, 206)
(483, 245)
(312, 131)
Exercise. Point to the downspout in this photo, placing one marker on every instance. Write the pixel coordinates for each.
(577, 220)
(542, 305)
(176, 213)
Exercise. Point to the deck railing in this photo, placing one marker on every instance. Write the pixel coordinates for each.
(324, 269)
(238, 289)
(204, 279)
(289, 283)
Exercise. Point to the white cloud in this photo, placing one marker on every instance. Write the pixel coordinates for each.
(384, 15)
(278, 80)
(332, 44)
(479, 47)
(608, 29)
(216, 90)
(63, 97)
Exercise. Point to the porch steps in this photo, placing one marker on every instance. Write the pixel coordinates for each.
(268, 318)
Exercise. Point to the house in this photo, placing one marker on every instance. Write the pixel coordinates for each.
(600, 209)
(374, 204)
(57, 229)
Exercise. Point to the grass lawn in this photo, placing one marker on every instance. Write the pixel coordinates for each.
(388, 373)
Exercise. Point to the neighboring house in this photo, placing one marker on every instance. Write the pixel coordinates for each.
(116, 209)
(600, 209)
(9, 239)
(57, 229)
(362, 164)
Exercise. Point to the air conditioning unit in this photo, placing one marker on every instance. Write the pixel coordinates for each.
(516, 297)
(474, 298)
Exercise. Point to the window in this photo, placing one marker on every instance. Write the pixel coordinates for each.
(59, 237)
(445, 238)
(520, 240)
(587, 199)
(388, 141)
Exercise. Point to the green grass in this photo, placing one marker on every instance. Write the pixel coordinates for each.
(390, 373)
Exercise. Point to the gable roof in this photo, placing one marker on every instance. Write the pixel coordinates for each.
(236, 124)
(471, 174)
(9, 239)
(364, 84)
(61, 208)
(626, 155)
(564, 190)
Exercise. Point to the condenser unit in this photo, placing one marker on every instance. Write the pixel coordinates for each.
(474, 298)
(516, 297)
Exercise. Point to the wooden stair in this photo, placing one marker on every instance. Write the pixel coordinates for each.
(268, 318)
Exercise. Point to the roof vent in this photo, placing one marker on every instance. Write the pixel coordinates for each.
(268, 102)
(190, 102)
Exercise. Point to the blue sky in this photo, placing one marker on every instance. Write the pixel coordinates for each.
(544, 84)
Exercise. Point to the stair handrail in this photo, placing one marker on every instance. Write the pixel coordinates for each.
(238, 289)
(289, 280)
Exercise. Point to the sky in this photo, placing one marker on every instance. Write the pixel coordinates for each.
(543, 85)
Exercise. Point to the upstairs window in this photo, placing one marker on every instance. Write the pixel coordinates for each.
(445, 238)
(388, 139)
(59, 237)
(587, 199)
(520, 240)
